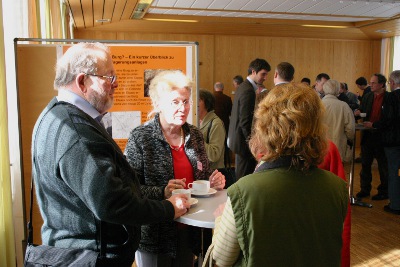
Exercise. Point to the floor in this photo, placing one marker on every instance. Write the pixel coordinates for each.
(375, 234)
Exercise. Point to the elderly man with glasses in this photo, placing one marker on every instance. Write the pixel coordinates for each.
(81, 176)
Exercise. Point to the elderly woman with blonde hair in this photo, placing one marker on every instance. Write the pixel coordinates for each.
(339, 118)
(288, 212)
(168, 153)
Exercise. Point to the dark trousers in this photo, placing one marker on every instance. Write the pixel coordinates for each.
(393, 157)
(244, 165)
(371, 147)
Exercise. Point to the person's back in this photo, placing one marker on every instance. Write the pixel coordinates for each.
(302, 220)
(338, 117)
(223, 105)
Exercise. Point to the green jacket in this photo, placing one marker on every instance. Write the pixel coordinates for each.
(215, 147)
(285, 217)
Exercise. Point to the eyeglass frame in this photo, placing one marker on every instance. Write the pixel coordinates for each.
(112, 79)
(179, 104)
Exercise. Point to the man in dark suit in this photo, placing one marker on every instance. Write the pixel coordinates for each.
(242, 117)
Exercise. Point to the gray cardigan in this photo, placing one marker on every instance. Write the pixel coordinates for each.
(150, 156)
(81, 176)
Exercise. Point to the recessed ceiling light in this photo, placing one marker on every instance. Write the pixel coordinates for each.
(103, 20)
(325, 26)
(383, 31)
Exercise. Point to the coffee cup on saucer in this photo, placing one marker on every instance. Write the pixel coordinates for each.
(185, 192)
(201, 186)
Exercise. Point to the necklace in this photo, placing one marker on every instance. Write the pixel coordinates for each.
(176, 148)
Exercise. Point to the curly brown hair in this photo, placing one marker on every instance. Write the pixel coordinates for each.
(289, 122)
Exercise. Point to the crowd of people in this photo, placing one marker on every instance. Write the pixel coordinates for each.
(289, 204)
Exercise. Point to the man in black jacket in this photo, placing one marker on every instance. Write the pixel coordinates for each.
(371, 142)
(390, 126)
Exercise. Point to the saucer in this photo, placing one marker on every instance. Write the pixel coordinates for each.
(211, 191)
(193, 201)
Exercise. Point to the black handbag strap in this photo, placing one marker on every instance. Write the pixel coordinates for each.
(103, 242)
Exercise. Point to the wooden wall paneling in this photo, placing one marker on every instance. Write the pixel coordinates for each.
(34, 93)
(232, 57)
(314, 56)
(305, 60)
(278, 50)
(352, 60)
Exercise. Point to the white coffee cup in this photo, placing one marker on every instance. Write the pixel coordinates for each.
(363, 115)
(185, 192)
(202, 186)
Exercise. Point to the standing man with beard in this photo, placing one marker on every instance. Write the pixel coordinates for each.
(242, 117)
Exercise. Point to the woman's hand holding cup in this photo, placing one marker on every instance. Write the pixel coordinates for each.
(217, 180)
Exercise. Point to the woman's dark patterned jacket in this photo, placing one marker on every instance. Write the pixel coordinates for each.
(150, 156)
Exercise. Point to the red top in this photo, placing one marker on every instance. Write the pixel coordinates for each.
(376, 108)
(182, 166)
(333, 163)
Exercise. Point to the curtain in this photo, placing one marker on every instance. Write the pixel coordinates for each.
(386, 55)
(7, 243)
(396, 53)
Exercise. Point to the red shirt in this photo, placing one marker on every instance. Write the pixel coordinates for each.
(376, 108)
(182, 166)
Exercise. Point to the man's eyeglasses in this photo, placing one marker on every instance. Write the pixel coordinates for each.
(176, 104)
(111, 79)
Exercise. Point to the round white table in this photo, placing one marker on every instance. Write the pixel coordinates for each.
(201, 214)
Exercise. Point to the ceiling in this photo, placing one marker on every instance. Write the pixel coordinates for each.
(379, 16)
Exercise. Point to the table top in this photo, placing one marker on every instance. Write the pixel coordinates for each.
(361, 127)
(201, 214)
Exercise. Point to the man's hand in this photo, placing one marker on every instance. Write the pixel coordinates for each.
(180, 203)
(172, 185)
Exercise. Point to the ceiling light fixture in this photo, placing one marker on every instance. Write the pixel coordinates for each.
(141, 8)
(325, 26)
(103, 20)
(382, 31)
(174, 20)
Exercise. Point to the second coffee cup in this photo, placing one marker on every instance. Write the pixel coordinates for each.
(182, 191)
(202, 186)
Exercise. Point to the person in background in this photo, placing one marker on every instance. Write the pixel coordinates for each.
(237, 80)
(223, 109)
(319, 82)
(213, 130)
(389, 124)
(352, 100)
(306, 81)
(362, 84)
(284, 73)
(242, 117)
(168, 153)
(290, 141)
(223, 104)
(81, 176)
(371, 141)
(333, 163)
(338, 117)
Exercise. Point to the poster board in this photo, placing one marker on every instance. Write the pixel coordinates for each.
(135, 63)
